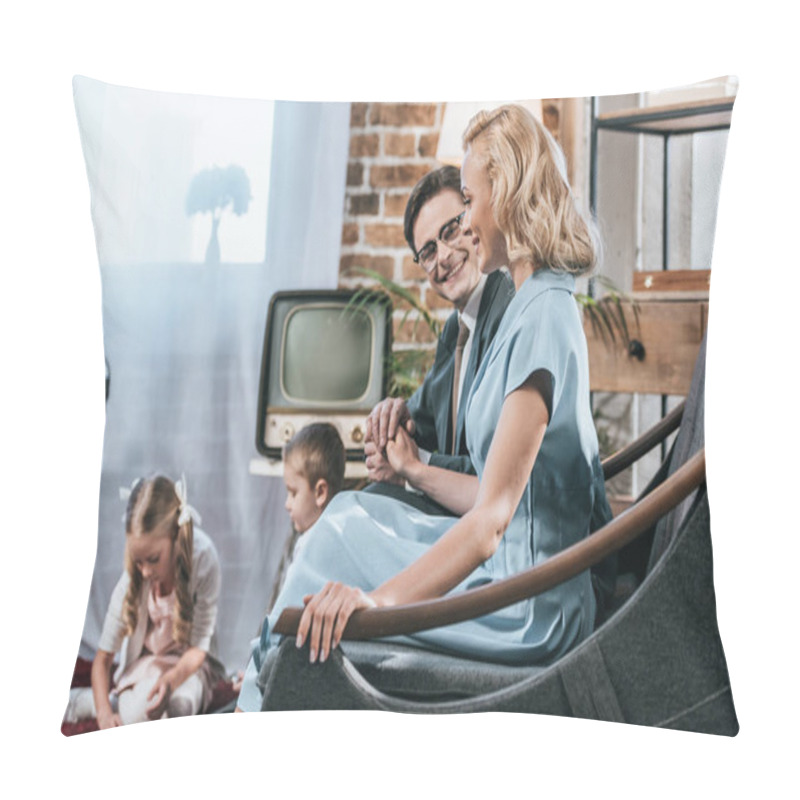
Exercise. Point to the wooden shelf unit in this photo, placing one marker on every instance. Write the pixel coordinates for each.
(672, 304)
(669, 333)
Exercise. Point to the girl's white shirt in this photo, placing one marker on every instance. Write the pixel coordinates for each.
(204, 587)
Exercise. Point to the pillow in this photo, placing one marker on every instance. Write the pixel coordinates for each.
(205, 207)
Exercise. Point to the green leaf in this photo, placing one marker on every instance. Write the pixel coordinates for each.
(401, 292)
(607, 315)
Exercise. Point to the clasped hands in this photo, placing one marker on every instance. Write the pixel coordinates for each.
(391, 452)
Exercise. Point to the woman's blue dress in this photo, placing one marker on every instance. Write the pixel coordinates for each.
(363, 539)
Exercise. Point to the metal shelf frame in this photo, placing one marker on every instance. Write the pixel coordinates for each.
(679, 119)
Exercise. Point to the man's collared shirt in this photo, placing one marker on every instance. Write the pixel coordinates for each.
(469, 316)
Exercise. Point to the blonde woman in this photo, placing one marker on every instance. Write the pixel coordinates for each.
(529, 431)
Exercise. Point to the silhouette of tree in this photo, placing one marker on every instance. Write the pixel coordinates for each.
(214, 189)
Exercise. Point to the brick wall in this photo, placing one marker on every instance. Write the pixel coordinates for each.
(392, 145)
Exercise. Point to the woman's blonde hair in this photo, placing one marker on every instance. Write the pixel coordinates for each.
(531, 199)
(154, 504)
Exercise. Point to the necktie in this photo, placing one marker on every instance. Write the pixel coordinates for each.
(463, 335)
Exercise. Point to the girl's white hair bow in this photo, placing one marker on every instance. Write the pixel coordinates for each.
(126, 491)
(187, 512)
(125, 494)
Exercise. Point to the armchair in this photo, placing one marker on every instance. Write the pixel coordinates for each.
(656, 659)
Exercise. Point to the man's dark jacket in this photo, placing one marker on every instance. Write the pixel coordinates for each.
(431, 405)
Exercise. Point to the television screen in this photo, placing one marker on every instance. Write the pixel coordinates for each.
(327, 354)
(324, 360)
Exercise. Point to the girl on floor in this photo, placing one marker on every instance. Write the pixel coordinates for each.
(530, 435)
(163, 610)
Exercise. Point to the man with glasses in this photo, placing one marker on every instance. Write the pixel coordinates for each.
(434, 415)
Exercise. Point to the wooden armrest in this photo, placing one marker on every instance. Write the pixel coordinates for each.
(622, 459)
(400, 620)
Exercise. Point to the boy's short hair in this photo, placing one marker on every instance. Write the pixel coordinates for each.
(322, 455)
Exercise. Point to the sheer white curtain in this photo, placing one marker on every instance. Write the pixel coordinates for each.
(183, 342)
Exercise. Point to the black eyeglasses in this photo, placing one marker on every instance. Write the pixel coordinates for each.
(448, 233)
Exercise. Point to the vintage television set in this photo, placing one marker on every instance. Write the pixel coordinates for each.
(324, 359)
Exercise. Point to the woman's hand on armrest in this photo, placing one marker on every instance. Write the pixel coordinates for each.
(325, 616)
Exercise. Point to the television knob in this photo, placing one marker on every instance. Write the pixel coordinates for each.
(357, 434)
(287, 431)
